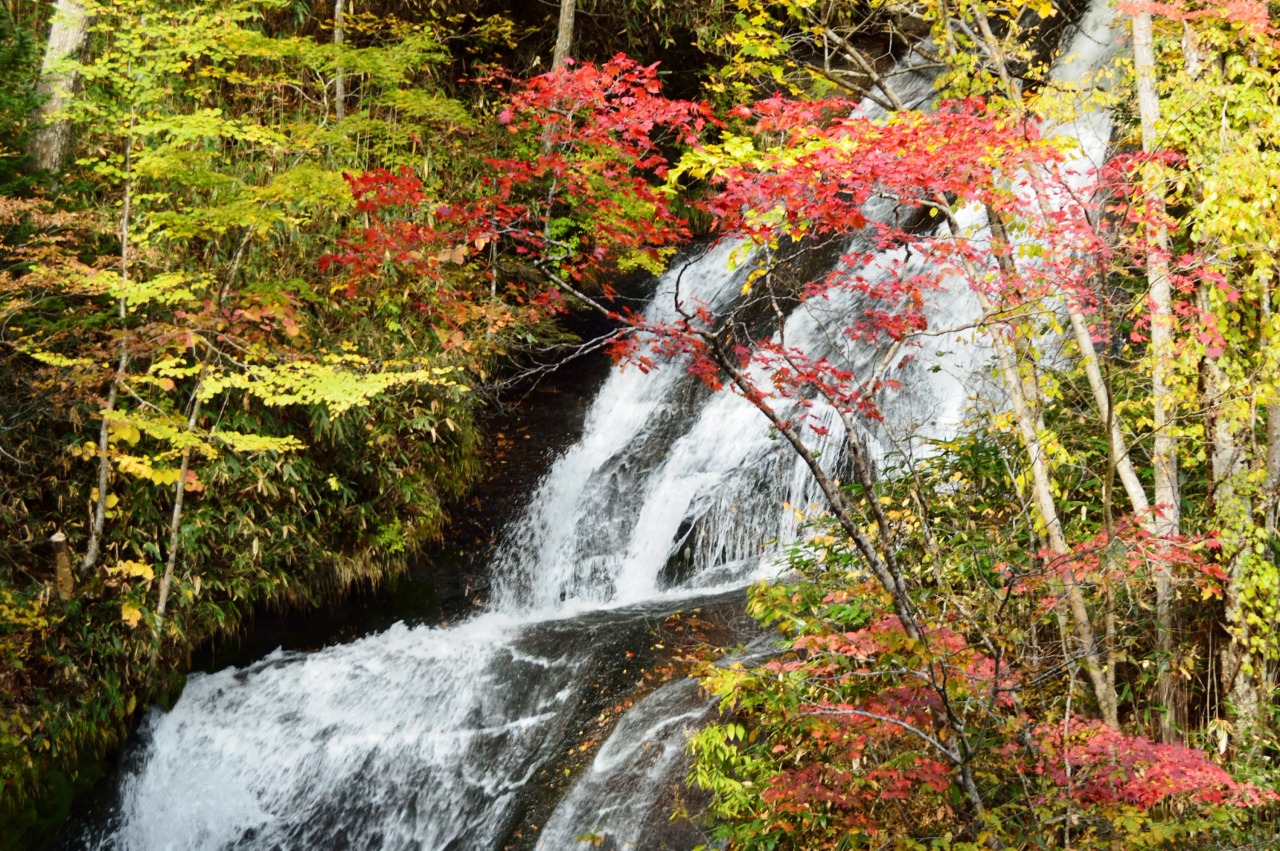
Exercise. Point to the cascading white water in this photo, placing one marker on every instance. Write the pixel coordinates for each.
(621, 799)
(434, 738)
(1091, 48)
(414, 738)
(547, 559)
(430, 737)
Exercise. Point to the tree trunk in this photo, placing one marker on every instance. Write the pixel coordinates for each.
(99, 522)
(1164, 457)
(1233, 512)
(64, 579)
(67, 34)
(1092, 656)
(98, 518)
(340, 78)
(564, 35)
(1024, 394)
(1120, 460)
(175, 529)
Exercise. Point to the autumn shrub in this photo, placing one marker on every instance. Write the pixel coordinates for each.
(858, 735)
(978, 731)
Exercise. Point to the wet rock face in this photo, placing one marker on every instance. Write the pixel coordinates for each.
(623, 778)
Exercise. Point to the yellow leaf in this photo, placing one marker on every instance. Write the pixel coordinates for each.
(133, 570)
(130, 614)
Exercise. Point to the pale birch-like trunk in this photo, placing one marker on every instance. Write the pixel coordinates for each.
(98, 523)
(564, 33)
(1236, 510)
(1093, 656)
(175, 529)
(98, 516)
(1096, 659)
(1024, 396)
(1024, 393)
(1121, 461)
(67, 34)
(340, 76)
(1164, 458)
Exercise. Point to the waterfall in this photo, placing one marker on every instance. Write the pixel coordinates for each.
(644, 754)
(433, 737)
(439, 737)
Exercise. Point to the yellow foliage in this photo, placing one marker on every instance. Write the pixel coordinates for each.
(131, 569)
(130, 614)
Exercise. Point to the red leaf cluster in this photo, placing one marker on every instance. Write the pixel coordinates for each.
(1100, 765)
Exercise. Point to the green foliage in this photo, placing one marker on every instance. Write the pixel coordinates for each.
(322, 434)
(19, 60)
(1219, 90)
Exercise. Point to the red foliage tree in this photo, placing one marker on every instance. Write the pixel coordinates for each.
(577, 197)
(929, 699)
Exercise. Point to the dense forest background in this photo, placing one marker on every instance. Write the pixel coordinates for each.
(264, 264)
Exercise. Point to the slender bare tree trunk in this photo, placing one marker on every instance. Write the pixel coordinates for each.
(175, 529)
(67, 34)
(1024, 396)
(99, 521)
(1093, 656)
(1024, 393)
(564, 35)
(340, 79)
(1120, 459)
(1164, 456)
